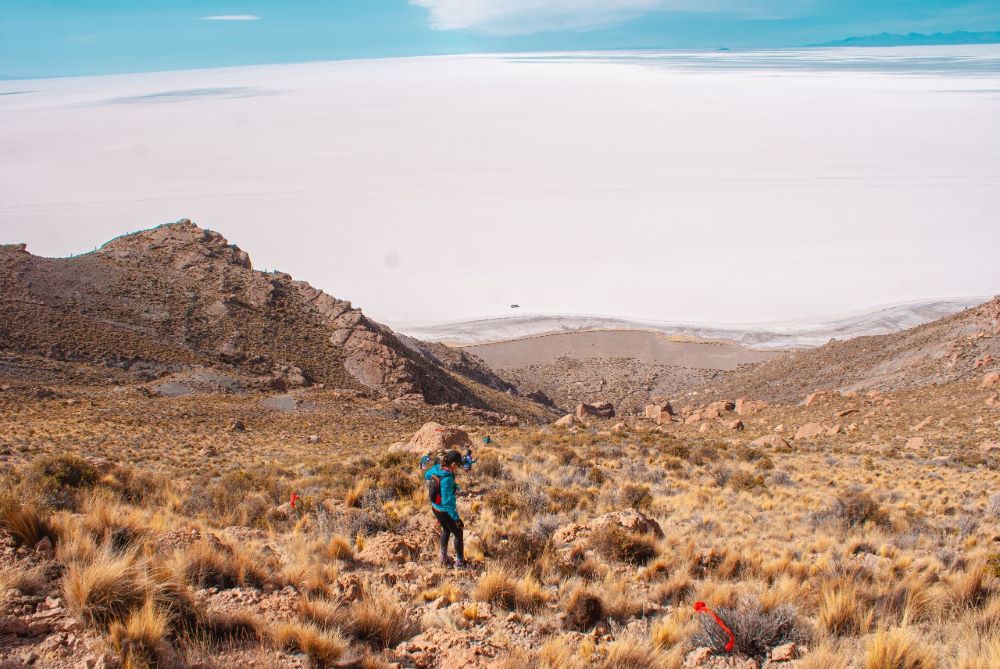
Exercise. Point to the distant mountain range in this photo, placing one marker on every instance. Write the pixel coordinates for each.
(803, 333)
(918, 39)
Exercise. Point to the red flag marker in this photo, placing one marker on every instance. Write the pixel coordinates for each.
(295, 498)
(701, 607)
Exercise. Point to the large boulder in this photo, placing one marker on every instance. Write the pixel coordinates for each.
(745, 407)
(434, 437)
(660, 412)
(598, 410)
(810, 430)
(770, 441)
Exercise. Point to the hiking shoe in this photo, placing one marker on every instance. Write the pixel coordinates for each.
(461, 564)
(445, 561)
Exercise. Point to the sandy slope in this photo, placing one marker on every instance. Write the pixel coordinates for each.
(646, 347)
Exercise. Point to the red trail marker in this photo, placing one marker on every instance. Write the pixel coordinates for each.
(701, 607)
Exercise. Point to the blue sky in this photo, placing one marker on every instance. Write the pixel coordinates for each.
(42, 38)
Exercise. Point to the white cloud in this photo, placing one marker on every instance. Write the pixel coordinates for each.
(526, 16)
(231, 17)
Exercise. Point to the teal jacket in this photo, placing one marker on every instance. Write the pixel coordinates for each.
(448, 490)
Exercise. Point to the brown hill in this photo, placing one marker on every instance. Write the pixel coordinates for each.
(177, 296)
(953, 348)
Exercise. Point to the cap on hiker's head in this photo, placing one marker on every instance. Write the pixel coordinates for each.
(452, 458)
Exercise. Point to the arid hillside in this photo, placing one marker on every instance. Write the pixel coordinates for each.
(858, 531)
(953, 348)
(177, 297)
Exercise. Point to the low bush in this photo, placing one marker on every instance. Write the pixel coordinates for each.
(616, 543)
(757, 631)
(635, 496)
(853, 510)
(583, 609)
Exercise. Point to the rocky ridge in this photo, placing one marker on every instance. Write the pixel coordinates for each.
(177, 296)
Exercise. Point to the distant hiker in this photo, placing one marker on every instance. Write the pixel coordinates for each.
(468, 461)
(487, 440)
(441, 489)
(425, 461)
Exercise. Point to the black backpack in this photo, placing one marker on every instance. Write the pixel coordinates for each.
(434, 489)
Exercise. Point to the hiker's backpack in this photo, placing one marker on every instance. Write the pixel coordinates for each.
(434, 489)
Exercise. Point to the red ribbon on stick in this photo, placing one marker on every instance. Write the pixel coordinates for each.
(295, 498)
(701, 607)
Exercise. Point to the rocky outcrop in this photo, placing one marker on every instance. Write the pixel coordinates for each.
(434, 437)
(630, 520)
(177, 296)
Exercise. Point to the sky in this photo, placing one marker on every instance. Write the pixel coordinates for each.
(48, 38)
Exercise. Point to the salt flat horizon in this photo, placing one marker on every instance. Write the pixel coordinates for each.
(692, 186)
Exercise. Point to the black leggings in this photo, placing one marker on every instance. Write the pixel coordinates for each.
(450, 527)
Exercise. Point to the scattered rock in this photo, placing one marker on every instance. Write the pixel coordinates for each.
(566, 421)
(599, 410)
(385, 548)
(813, 398)
(287, 377)
(769, 440)
(991, 379)
(661, 413)
(916, 442)
(745, 407)
(784, 653)
(809, 430)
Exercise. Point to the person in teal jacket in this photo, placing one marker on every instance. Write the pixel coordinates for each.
(444, 506)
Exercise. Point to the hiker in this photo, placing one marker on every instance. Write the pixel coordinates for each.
(487, 440)
(425, 461)
(441, 488)
(468, 461)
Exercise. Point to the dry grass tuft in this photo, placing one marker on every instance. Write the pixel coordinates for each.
(323, 647)
(630, 651)
(497, 587)
(107, 589)
(379, 620)
(206, 565)
(840, 611)
(142, 638)
(30, 581)
(898, 648)
(27, 526)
